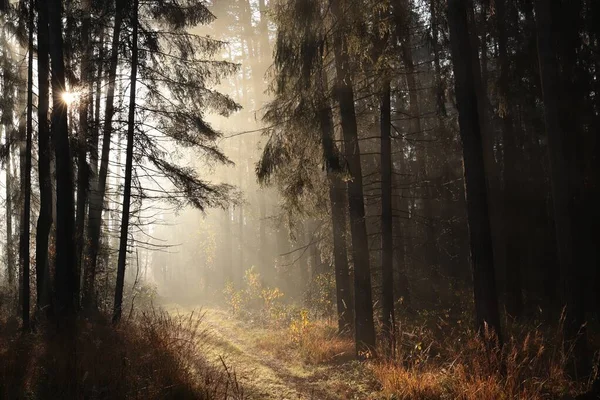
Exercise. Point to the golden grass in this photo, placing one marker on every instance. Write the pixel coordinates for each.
(530, 366)
(320, 343)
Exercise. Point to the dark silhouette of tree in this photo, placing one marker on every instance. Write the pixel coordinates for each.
(44, 223)
(486, 303)
(26, 179)
(65, 268)
(124, 235)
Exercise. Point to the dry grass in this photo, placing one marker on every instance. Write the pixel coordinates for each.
(320, 343)
(156, 356)
(459, 365)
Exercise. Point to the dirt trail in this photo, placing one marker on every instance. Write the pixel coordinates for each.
(265, 377)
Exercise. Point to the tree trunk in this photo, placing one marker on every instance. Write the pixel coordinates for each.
(26, 182)
(84, 133)
(387, 237)
(44, 222)
(65, 275)
(486, 303)
(363, 305)
(128, 172)
(338, 215)
(561, 184)
(98, 193)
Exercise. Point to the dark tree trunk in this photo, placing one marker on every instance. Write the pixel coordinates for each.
(561, 184)
(486, 303)
(26, 182)
(98, 193)
(95, 132)
(65, 275)
(44, 222)
(8, 132)
(338, 216)
(363, 304)
(124, 238)
(84, 133)
(387, 238)
(513, 220)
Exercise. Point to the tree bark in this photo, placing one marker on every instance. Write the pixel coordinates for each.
(363, 304)
(65, 275)
(387, 238)
(338, 215)
(486, 303)
(44, 222)
(84, 133)
(26, 182)
(128, 172)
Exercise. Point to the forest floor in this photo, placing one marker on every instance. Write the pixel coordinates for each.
(267, 374)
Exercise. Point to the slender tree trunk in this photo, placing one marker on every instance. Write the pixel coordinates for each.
(387, 237)
(128, 172)
(44, 222)
(561, 185)
(65, 275)
(486, 303)
(98, 193)
(363, 304)
(26, 185)
(10, 258)
(95, 132)
(84, 133)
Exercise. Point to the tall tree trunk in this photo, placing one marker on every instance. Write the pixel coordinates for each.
(363, 304)
(10, 258)
(44, 222)
(387, 237)
(26, 181)
(65, 275)
(84, 133)
(486, 302)
(95, 132)
(99, 190)
(514, 296)
(561, 184)
(338, 214)
(124, 238)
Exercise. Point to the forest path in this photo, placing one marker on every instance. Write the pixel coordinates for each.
(267, 377)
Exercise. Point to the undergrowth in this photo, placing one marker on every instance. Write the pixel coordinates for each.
(153, 356)
(454, 362)
(437, 355)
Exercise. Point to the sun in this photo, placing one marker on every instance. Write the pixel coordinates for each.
(69, 98)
